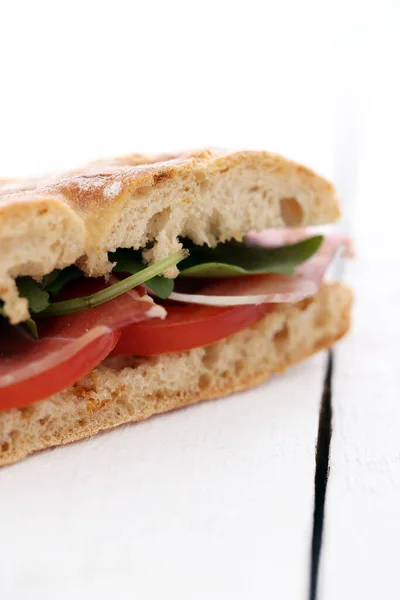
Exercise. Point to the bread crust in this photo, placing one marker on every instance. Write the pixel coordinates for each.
(136, 201)
(125, 389)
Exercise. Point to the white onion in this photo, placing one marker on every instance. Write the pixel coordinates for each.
(243, 300)
(216, 300)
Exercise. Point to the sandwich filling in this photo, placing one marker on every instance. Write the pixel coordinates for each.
(76, 322)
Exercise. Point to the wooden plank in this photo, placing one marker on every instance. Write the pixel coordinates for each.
(362, 523)
(214, 501)
(362, 516)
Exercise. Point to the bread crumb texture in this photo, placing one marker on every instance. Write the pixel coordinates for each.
(139, 201)
(124, 389)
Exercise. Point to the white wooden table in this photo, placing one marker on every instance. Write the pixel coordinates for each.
(220, 501)
(217, 501)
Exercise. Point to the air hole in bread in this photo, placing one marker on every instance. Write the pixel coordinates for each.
(27, 411)
(239, 366)
(210, 356)
(204, 187)
(204, 381)
(199, 176)
(320, 318)
(142, 191)
(158, 221)
(304, 304)
(291, 211)
(15, 436)
(5, 447)
(281, 336)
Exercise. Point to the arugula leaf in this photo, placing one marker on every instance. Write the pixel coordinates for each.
(48, 279)
(234, 259)
(38, 298)
(38, 294)
(112, 291)
(31, 325)
(130, 261)
(231, 259)
(55, 282)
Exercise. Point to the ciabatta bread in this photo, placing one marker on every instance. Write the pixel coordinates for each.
(139, 201)
(124, 389)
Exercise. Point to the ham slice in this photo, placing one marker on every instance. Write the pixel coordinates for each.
(62, 338)
(272, 238)
(273, 288)
(70, 346)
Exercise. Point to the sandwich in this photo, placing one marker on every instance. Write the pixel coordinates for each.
(141, 284)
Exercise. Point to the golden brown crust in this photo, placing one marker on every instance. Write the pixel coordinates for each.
(131, 389)
(37, 235)
(98, 189)
(88, 188)
(136, 201)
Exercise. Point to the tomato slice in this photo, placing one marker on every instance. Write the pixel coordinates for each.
(59, 377)
(70, 346)
(186, 326)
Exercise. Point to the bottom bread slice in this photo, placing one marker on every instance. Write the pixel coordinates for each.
(124, 389)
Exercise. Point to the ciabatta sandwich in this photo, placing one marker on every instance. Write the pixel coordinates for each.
(138, 285)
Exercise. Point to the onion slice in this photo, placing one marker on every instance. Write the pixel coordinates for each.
(269, 288)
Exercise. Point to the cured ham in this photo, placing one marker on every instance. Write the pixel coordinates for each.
(69, 347)
(72, 345)
(270, 288)
(271, 238)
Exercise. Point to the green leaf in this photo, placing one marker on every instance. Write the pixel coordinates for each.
(38, 298)
(31, 325)
(48, 279)
(112, 291)
(130, 261)
(55, 282)
(234, 259)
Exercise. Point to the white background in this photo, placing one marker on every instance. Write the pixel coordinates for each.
(216, 501)
(86, 79)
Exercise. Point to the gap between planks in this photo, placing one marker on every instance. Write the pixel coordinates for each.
(322, 454)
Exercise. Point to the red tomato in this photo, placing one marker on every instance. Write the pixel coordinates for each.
(39, 369)
(31, 370)
(60, 376)
(186, 326)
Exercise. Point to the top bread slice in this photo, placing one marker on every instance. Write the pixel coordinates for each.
(139, 201)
